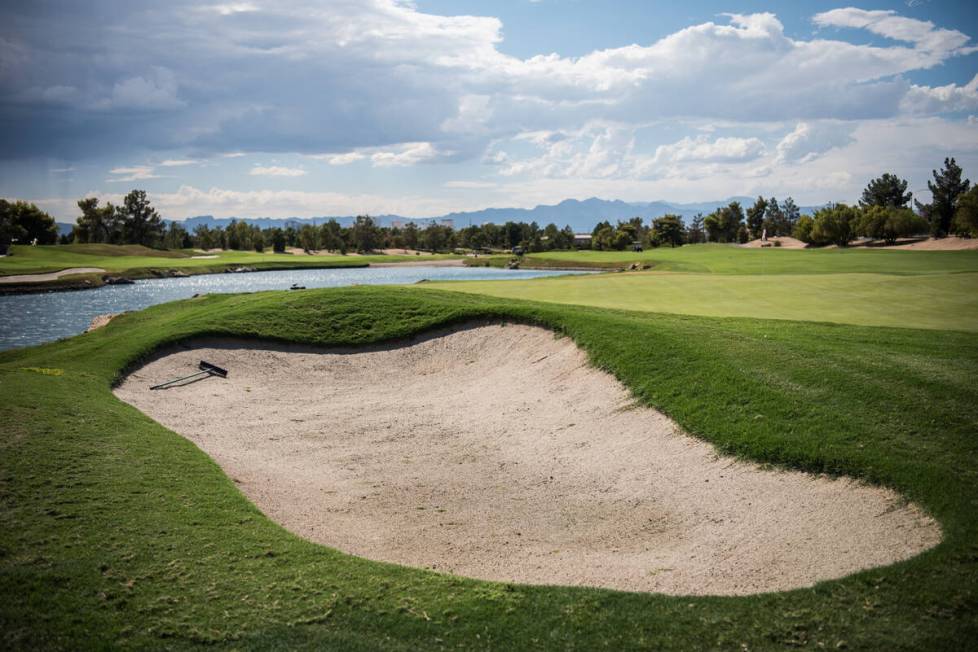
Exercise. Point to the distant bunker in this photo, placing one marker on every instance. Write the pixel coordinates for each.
(497, 452)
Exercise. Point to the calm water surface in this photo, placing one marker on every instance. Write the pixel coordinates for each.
(28, 319)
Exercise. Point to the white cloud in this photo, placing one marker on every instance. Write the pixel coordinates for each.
(339, 159)
(808, 141)
(406, 154)
(470, 185)
(924, 100)
(276, 171)
(134, 173)
(724, 149)
(923, 34)
(188, 201)
(174, 163)
(154, 91)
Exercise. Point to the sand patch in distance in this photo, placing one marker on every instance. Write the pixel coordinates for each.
(497, 452)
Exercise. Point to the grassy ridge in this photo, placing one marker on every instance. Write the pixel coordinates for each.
(136, 261)
(937, 301)
(115, 531)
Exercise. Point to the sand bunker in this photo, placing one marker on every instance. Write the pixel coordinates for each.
(497, 452)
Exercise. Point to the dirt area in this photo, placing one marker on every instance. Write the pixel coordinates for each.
(497, 452)
(52, 276)
(950, 243)
(101, 320)
(786, 243)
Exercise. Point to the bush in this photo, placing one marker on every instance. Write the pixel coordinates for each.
(834, 225)
(803, 229)
(888, 223)
(966, 214)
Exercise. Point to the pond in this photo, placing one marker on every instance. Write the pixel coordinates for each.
(29, 319)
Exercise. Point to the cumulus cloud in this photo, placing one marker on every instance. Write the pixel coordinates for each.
(276, 171)
(275, 77)
(808, 141)
(134, 173)
(406, 154)
(156, 90)
(702, 148)
(952, 98)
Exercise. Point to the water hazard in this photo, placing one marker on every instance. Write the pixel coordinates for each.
(29, 319)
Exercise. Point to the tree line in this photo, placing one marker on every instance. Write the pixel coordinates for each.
(882, 213)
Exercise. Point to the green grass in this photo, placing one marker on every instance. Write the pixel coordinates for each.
(727, 259)
(932, 300)
(135, 260)
(115, 532)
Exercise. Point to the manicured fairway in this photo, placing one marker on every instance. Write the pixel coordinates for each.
(932, 300)
(115, 532)
(729, 259)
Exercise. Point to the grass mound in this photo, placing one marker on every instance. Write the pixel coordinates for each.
(117, 532)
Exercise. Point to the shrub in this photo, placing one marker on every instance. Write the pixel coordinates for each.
(889, 223)
(834, 225)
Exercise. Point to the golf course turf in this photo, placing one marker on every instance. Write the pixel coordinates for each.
(870, 287)
(116, 531)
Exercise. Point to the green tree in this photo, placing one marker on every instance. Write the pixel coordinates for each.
(10, 230)
(176, 237)
(695, 234)
(141, 223)
(945, 189)
(668, 229)
(803, 229)
(97, 223)
(755, 217)
(887, 190)
(834, 225)
(277, 237)
(26, 222)
(791, 214)
(966, 214)
(888, 223)
(723, 224)
(775, 220)
(603, 237)
(331, 237)
(364, 233)
(308, 238)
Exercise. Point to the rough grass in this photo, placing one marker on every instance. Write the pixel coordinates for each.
(115, 532)
(932, 300)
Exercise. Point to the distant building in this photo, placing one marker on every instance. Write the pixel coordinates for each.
(450, 223)
(582, 239)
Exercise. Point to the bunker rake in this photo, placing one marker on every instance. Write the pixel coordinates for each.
(207, 369)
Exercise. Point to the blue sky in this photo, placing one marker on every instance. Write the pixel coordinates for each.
(259, 108)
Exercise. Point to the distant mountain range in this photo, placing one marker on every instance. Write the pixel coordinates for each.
(579, 215)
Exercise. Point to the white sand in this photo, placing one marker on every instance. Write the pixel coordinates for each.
(52, 276)
(497, 452)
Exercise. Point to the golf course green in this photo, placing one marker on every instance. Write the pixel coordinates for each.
(117, 532)
(912, 289)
